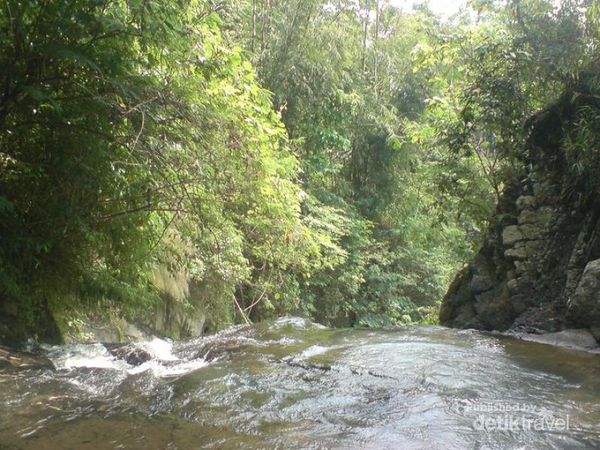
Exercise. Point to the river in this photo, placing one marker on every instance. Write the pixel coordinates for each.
(292, 384)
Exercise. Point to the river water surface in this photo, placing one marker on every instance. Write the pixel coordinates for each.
(293, 384)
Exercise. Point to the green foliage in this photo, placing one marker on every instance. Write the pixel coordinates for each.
(134, 136)
(408, 125)
(343, 76)
(581, 141)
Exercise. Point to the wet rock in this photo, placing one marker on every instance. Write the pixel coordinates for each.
(457, 308)
(539, 216)
(544, 318)
(526, 202)
(23, 360)
(481, 283)
(520, 267)
(578, 339)
(520, 303)
(517, 253)
(531, 232)
(531, 248)
(132, 355)
(584, 305)
(511, 235)
(17, 325)
(494, 310)
(95, 327)
(519, 285)
(596, 333)
(217, 350)
(527, 216)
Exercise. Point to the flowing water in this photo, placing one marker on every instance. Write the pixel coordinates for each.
(294, 384)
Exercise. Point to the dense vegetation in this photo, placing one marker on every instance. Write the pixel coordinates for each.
(336, 159)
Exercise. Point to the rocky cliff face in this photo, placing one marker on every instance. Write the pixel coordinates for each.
(179, 314)
(539, 268)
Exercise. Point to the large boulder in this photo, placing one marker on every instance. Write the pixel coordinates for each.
(584, 305)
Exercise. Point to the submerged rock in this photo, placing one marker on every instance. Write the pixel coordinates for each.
(132, 355)
(23, 360)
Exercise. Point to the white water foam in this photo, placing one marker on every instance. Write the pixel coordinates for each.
(163, 362)
(313, 351)
(84, 355)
